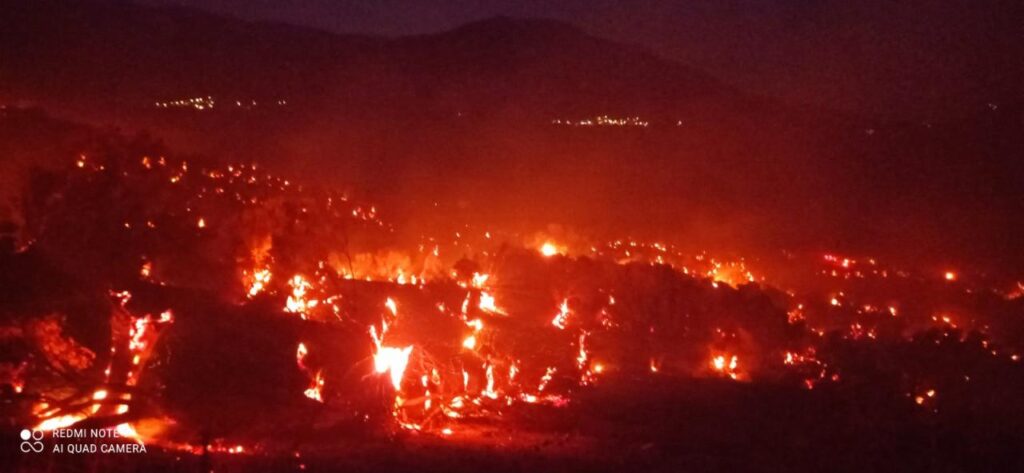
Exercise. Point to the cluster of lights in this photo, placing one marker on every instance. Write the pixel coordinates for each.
(604, 120)
(208, 103)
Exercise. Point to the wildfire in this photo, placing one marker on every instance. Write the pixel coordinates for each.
(60, 422)
(922, 398)
(392, 360)
(260, 280)
(466, 375)
(297, 302)
(549, 249)
(487, 304)
(314, 392)
(315, 389)
(726, 365)
(562, 316)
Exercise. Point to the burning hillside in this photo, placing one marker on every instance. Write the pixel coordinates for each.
(205, 310)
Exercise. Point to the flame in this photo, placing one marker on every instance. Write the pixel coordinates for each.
(562, 316)
(549, 249)
(297, 302)
(726, 365)
(315, 391)
(127, 430)
(487, 304)
(479, 280)
(60, 422)
(489, 389)
(260, 279)
(392, 360)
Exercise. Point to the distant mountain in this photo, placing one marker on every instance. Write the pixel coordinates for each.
(550, 66)
(116, 52)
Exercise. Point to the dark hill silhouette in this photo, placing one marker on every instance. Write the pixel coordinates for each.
(115, 51)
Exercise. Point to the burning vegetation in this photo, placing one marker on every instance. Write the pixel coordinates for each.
(224, 310)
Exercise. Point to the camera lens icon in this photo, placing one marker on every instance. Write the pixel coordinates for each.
(31, 441)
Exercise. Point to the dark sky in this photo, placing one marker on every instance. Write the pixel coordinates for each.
(914, 58)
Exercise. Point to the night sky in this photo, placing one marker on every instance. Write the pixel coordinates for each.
(920, 59)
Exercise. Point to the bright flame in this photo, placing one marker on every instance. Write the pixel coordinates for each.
(726, 365)
(260, 279)
(297, 302)
(315, 390)
(549, 249)
(562, 316)
(487, 304)
(61, 422)
(389, 359)
(392, 360)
